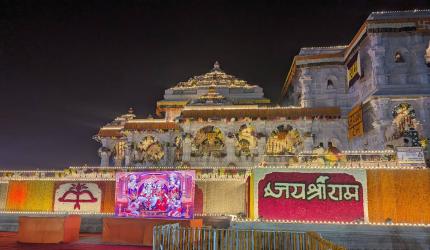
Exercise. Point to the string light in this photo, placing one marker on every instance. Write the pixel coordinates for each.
(215, 215)
(82, 179)
(247, 220)
(55, 213)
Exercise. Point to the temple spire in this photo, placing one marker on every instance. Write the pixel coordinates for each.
(216, 67)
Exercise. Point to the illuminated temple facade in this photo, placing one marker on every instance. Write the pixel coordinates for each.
(218, 120)
(355, 115)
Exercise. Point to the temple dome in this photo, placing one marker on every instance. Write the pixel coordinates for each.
(215, 77)
(213, 88)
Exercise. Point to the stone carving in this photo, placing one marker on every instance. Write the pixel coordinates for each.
(208, 141)
(246, 141)
(284, 140)
(150, 150)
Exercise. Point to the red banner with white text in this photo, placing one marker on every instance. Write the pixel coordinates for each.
(323, 195)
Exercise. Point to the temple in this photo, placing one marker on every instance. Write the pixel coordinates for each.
(218, 120)
(372, 94)
(351, 125)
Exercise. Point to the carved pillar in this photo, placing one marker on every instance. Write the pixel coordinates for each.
(118, 160)
(308, 141)
(171, 155)
(261, 147)
(230, 143)
(186, 147)
(104, 154)
(128, 153)
(305, 82)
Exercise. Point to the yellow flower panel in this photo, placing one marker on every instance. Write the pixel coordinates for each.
(3, 195)
(223, 197)
(400, 196)
(40, 195)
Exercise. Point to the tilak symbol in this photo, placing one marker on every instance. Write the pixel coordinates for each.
(77, 190)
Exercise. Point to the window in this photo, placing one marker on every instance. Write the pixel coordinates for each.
(398, 58)
(330, 84)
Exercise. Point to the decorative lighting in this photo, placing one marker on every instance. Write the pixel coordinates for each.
(402, 224)
(55, 213)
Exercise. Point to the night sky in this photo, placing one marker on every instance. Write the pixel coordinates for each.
(69, 67)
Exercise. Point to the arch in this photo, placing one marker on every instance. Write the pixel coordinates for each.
(400, 55)
(331, 82)
(208, 141)
(284, 140)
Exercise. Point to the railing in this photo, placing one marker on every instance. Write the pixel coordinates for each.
(349, 159)
(169, 237)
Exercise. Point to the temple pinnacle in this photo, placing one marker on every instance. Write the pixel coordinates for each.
(216, 66)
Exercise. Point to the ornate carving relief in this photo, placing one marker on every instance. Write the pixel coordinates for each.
(284, 140)
(119, 152)
(178, 148)
(149, 150)
(405, 123)
(208, 141)
(246, 141)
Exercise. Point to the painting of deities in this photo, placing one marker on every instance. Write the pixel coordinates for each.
(161, 194)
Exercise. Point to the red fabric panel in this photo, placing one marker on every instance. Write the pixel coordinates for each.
(72, 226)
(137, 230)
(198, 200)
(41, 229)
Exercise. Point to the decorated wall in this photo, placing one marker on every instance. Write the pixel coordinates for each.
(30, 196)
(310, 195)
(3, 194)
(212, 197)
(58, 196)
(386, 195)
(223, 197)
(399, 196)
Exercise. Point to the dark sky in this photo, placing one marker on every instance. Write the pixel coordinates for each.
(69, 67)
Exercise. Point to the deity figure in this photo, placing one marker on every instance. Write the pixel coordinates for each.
(132, 186)
(333, 155)
(175, 205)
(246, 141)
